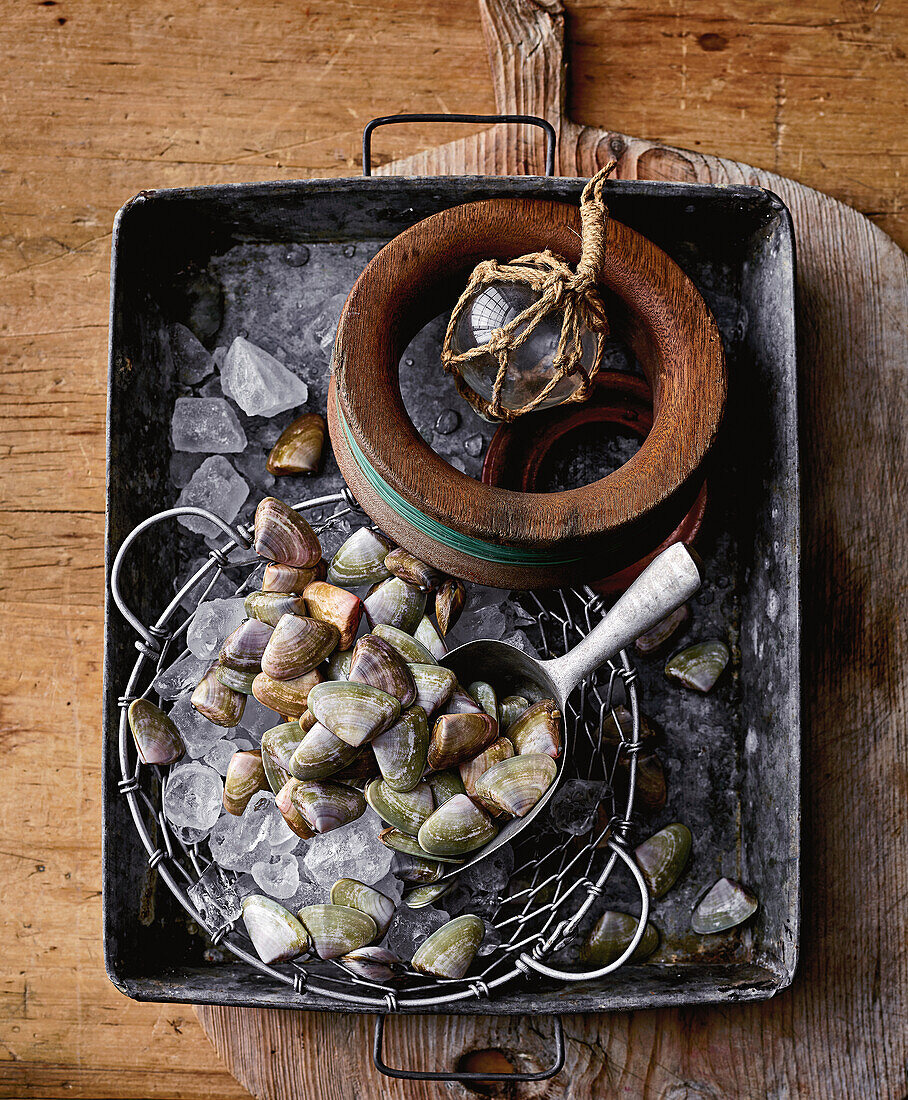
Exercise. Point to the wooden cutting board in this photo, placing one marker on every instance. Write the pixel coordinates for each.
(840, 1031)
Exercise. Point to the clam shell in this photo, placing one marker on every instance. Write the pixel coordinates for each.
(368, 900)
(472, 770)
(374, 964)
(411, 649)
(510, 708)
(425, 895)
(276, 934)
(609, 937)
(216, 702)
(278, 746)
(336, 930)
(288, 578)
(726, 904)
(415, 869)
(618, 727)
(336, 606)
(320, 754)
(460, 737)
(290, 810)
(377, 664)
(462, 703)
(359, 771)
(243, 650)
(434, 685)
(282, 535)
(405, 810)
(516, 784)
(245, 777)
(353, 712)
(401, 750)
(299, 447)
(157, 738)
(236, 681)
(402, 842)
(485, 696)
(338, 664)
(322, 804)
(426, 634)
(450, 950)
(651, 789)
(271, 607)
(449, 602)
(401, 563)
(445, 785)
(537, 730)
(458, 826)
(663, 857)
(395, 603)
(361, 559)
(698, 666)
(662, 633)
(306, 720)
(297, 646)
(289, 697)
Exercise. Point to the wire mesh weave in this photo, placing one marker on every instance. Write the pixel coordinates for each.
(557, 877)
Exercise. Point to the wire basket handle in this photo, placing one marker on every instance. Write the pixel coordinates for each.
(148, 636)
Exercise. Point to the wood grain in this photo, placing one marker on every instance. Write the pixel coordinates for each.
(829, 1035)
(102, 100)
(655, 308)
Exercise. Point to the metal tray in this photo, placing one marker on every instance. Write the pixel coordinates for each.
(732, 757)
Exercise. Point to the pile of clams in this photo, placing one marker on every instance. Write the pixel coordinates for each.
(367, 719)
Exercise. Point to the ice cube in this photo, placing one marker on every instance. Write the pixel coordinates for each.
(214, 585)
(206, 425)
(198, 734)
(491, 941)
(182, 466)
(278, 877)
(520, 641)
(353, 851)
(192, 361)
(239, 842)
(214, 621)
(183, 675)
(324, 327)
(484, 622)
(259, 383)
(217, 487)
(193, 796)
(216, 898)
(391, 886)
(411, 927)
(308, 893)
(257, 719)
(221, 753)
(490, 875)
(574, 805)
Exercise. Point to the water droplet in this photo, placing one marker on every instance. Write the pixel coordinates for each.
(350, 250)
(447, 422)
(297, 255)
(473, 445)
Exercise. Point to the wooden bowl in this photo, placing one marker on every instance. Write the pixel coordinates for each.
(489, 534)
(518, 454)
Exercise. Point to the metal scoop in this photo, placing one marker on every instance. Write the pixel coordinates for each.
(669, 580)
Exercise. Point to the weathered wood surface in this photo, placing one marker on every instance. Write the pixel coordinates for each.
(99, 101)
(853, 323)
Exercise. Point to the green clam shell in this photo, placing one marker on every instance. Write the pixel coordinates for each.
(450, 950)
(663, 857)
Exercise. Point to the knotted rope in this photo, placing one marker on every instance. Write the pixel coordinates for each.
(575, 293)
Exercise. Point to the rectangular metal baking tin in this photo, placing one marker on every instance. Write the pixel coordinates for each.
(735, 775)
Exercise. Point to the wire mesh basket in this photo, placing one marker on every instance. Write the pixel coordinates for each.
(556, 876)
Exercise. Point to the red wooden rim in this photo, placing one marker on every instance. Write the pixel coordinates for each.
(653, 305)
(517, 452)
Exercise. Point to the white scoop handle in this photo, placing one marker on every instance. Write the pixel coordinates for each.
(664, 585)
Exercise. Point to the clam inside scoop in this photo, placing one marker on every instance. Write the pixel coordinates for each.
(511, 672)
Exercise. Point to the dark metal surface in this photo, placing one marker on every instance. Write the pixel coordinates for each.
(525, 120)
(732, 758)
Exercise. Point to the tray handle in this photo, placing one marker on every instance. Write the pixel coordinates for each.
(530, 120)
(421, 1075)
